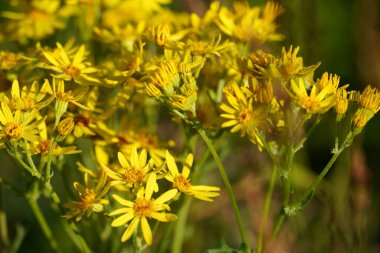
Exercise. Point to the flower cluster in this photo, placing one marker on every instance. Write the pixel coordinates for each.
(98, 94)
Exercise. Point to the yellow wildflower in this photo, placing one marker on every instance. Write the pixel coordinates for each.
(289, 65)
(369, 106)
(29, 97)
(63, 98)
(132, 173)
(126, 35)
(370, 99)
(143, 208)
(242, 116)
(91, 197)
(76, 69)
(181, 180)
(318, 101)
(40, 18)
(163, 80)
(255, 25)
(64, 128)
(15, 126)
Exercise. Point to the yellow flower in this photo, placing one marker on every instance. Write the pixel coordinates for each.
(289, 65)
(40, 18)
(63, 98)
(159, 34)
(181, 180)
(42, 146)
(76, 69)
(255, 25)
(126, 35)
(370, 99)
(91, 197)
(143, 208)
(64, 128)
(15, 126)
(163, 80)
(132, 173)
(318, 101)
(241, 115)
(341, 103)
(29, 97)
(369, 106)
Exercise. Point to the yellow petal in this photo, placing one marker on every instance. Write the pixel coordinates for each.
(147, 232)
(123, 161)
(15, 92)
(120, 221)
(187, 165)
(79, 56)
(168, 195)
(150, 186)
(164, 217)
(123, 201)
(131, 229)
(171, 164)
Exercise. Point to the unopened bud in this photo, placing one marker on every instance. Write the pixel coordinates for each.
(64, 128)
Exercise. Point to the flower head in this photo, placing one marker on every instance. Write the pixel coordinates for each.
(90, 197)
(318, 101)
(144, 207)
(70, 67)
(14, 126)
(181, 180)
(134, 172)
(241, 115)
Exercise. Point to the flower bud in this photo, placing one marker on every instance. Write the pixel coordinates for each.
(64, 128)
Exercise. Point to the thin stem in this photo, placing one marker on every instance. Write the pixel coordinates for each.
(307, 197)
(228, 187)
(32, 200)
(13, 152)
(48, 163)
(4, 240)
(30, 160)
(267, 203)
(180, 226)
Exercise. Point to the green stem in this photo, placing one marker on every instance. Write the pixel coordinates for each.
(4, 241)
(33, 202)
(307, 197)
(30, 160)
(228, 187)
(71, 229)
(180, 226)
(267, 203)
(48, 163)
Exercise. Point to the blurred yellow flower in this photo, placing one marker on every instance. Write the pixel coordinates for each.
(37, 20)
(76, 69)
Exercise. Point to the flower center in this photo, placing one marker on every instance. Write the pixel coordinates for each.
(37, 15)
(245, 116)
(13, 130)
(309, 104)
(88, 198)
(134, 176)
(72, 71)
(181, 183)
(143, 207)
